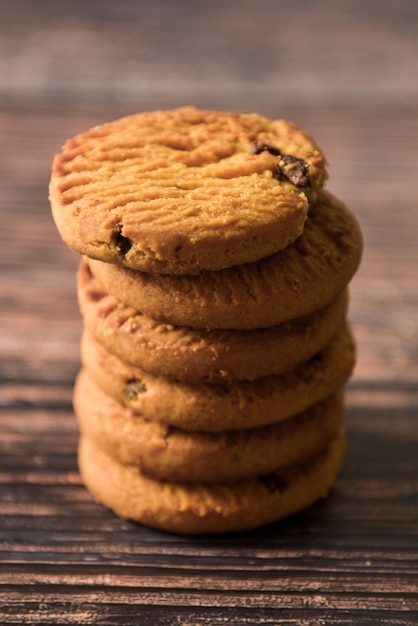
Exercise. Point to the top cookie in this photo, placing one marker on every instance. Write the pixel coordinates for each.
(186, 190)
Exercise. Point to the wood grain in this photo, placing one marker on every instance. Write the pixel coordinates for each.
(351, 559)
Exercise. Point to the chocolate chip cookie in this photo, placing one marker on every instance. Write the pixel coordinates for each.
(212, 508)
(196, 355)
(293, 283)
(220, 407)
(185, 190)
(168, 453)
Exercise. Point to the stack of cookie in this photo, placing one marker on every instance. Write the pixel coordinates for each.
(214, 292)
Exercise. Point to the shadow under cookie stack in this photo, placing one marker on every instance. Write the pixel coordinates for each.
(213, 287)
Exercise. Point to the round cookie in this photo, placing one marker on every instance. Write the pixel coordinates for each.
(221, 407)
(193, 355)
(176, 192)
(203, 509)
(301, 279)
(167, 453)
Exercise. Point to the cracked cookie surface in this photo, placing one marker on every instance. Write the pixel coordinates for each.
(181, 191)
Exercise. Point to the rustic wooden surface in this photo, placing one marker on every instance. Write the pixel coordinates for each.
(346, 71)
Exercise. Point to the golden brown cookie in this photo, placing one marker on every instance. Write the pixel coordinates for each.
(167, 453)
(222, 407)
(301, 279)
(193, 355)
(176, 192)
(215, 508)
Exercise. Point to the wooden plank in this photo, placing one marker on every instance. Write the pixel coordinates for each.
(351, 559)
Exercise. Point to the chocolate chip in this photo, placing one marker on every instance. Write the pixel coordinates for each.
(289, 167)
(133, 388)
(294, 170)
(258, 148)
(121, 243)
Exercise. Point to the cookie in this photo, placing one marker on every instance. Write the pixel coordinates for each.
(168, 453)
(292, 283)
(221, 407)
(176, 192)
(197, 355)
(208, 509)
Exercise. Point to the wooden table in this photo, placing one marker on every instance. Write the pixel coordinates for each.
(351, 559)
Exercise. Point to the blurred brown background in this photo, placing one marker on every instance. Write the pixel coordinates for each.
(341, 52)
(346, 70)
